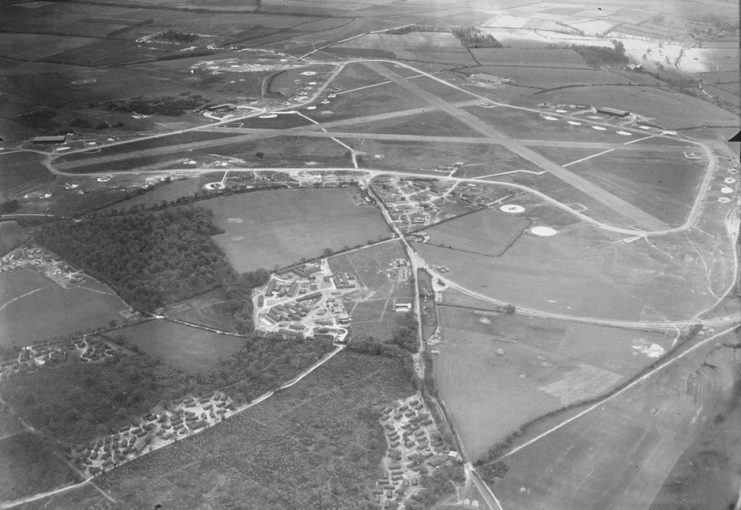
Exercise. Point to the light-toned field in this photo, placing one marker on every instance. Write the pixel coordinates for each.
(561, 58)
(434, 123)
(278, 228)
(548, 78)
(582, 271)
(38, 46)
(618, 455)
(48, 310)
(486, 232)
(495, 372)
(188, 349)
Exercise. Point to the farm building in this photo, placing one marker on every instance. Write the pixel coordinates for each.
(612, 112)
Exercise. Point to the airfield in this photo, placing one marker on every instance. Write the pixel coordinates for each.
(559, 240)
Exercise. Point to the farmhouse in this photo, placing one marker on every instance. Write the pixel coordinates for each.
(612, 112)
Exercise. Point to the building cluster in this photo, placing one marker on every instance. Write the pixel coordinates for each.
(304, 302)
(415, 448)
(33, 257)
(152, 432)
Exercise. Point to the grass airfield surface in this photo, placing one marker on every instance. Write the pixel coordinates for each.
(496, 372)
(278, 228)
(48, 310)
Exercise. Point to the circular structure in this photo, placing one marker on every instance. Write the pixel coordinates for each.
(732, 171)
(729, 180)
(625, 133)
(560, 111)
(214, 185)
(312, 83)
(549, 117)
(644, 127)
(726, 190)
(574, 123)
(325, 101)
(312, 107)
(307, 73)
(543, 231)
(724, 200)
(599, 128)
(512, 208)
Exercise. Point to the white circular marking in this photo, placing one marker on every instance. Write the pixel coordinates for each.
(312, 107)
(732, 171)
(724, 200)
(560, 111)
(599, 128)
(726, 190)
(625, 133)
(307, 73)
(729, 180)
(574, 123)
(268, 116)
(325, 101)
(644, 127)
(512, 208)
(543, 231)
(214, 185)
(549, 117)
(312, 83)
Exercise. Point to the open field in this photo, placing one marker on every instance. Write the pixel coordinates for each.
(661, 183)
(274, 229)
(38, 46)
(20, 173)
(48, 310)
(381, 285)
(670, 110)
(209, 309)
(438, 47)
(582, 271)
(28, 466)
(191, 350)
(548, 78)
(434, 123)
(491, 362)
(486, 232)
(281, 454)
(618, 455)
(168, 192)
(10, 235)
(555, 57)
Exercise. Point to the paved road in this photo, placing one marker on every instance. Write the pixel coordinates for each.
(614, 202)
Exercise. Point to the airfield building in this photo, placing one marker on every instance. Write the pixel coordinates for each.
(612, 112)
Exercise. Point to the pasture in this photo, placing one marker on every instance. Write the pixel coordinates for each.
(192, 350)
(20, 173)
(618, 455)
(283, 453)
(485, 232)
(35, 309)
(549, 78)
(28, 466)
(10, 235)
(553, 57)
(433, 123)
(277, 228)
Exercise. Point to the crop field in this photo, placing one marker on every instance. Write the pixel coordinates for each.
(283, 453)
(35, 309)
(669, 109)
(372, 308)
(278, 228)
(456, 56)
(618, 456)
(557, 58)
(28, 466)
(191, 350)
(21, 172)
(486, 232)
(548, 78)
(661, 183)
(413, 41)
(354, 76)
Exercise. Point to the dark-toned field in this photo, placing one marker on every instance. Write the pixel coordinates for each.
(188, 349)
(275, 229)
(20, 173)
